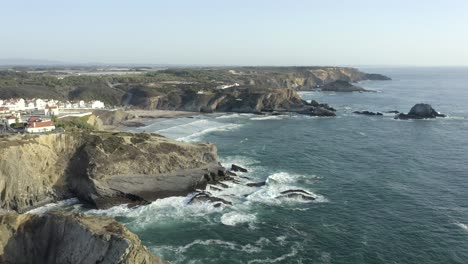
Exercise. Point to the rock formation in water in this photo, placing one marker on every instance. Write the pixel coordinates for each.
(368, 113)
(342, 86)
(420, 111)
(101, 169)
(63, 237)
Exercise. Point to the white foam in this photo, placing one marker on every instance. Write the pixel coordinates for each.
(277, 183)
(281, 258)
(267, 118)
(228, 116)
(162, 211)
(214, 242)
(462, 226)
(235, 218)
(197, 135)
(52, 206)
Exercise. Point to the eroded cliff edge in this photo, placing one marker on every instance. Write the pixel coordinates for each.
(63, 237)
(101, 169)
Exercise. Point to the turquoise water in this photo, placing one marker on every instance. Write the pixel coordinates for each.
(386, 191)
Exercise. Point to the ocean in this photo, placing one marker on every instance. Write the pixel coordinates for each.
(386, 191)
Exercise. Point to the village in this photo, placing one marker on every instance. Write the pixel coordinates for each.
(37, 115)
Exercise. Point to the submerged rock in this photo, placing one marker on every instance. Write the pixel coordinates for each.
(256, 184)
(64, 237)
(368, 113)
(420, 111)
(237, 168)
(202, 197)
(296, 193)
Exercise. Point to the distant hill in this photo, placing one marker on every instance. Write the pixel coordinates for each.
(28, 62)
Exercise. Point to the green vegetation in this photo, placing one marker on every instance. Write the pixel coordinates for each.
(73, 123)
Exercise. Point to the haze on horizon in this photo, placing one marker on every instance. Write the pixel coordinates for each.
(296, 32)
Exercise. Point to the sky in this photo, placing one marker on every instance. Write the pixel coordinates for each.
(240, 32)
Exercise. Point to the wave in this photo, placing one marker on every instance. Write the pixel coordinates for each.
(268, 118)
(53, 206)
(162, 211)
(280, 182)
(235, 115)
(235, 218)
(462, 226)
(197, 135)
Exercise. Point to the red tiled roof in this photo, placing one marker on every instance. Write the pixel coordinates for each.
(11, 117)
(3, 108)
(40, 124)
(51, 107)
(33, 119)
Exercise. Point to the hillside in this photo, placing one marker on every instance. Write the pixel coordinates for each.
(171, 83)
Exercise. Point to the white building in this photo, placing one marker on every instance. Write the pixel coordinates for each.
(40, 127)
(15, 104)
(40, 104)
(4, 110)
(10, 120)
(51, 111)
(97, 104)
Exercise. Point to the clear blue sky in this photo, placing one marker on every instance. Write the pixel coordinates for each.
(241, 32)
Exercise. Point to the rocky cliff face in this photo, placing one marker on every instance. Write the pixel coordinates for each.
(69, 238)
(240, 100)
(300, 78)
(102, 169)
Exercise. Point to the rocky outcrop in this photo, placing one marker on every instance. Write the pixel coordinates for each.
(112, 118)
(237, 168)
(342, 86)
(420, 111)
(102, 169)
(63, 237)
(296, 193)
(368, 113)
(239, 100)
(298, 78)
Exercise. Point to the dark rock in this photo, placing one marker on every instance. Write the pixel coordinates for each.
(342, 86)
(294, 193)
(65, 237)
(393, 112)
(236, 168)
(377, 77)
(206, 197)
(256, 184)
(368, 113)
(420, 111)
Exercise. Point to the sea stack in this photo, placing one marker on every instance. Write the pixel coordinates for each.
(420, 111)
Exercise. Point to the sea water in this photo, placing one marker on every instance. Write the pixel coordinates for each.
(386, 190)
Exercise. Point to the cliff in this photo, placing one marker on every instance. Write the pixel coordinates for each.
(119, 90)
(102, 169)
(62, 237)
(241, 100)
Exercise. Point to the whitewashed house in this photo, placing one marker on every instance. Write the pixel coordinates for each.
(4, 110)
(97, 104)
(40, 127)
(40, 104)
(51, 111)
(10, 120)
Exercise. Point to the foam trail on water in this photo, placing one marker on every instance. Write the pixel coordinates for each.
(267, 118)
(53, 206)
